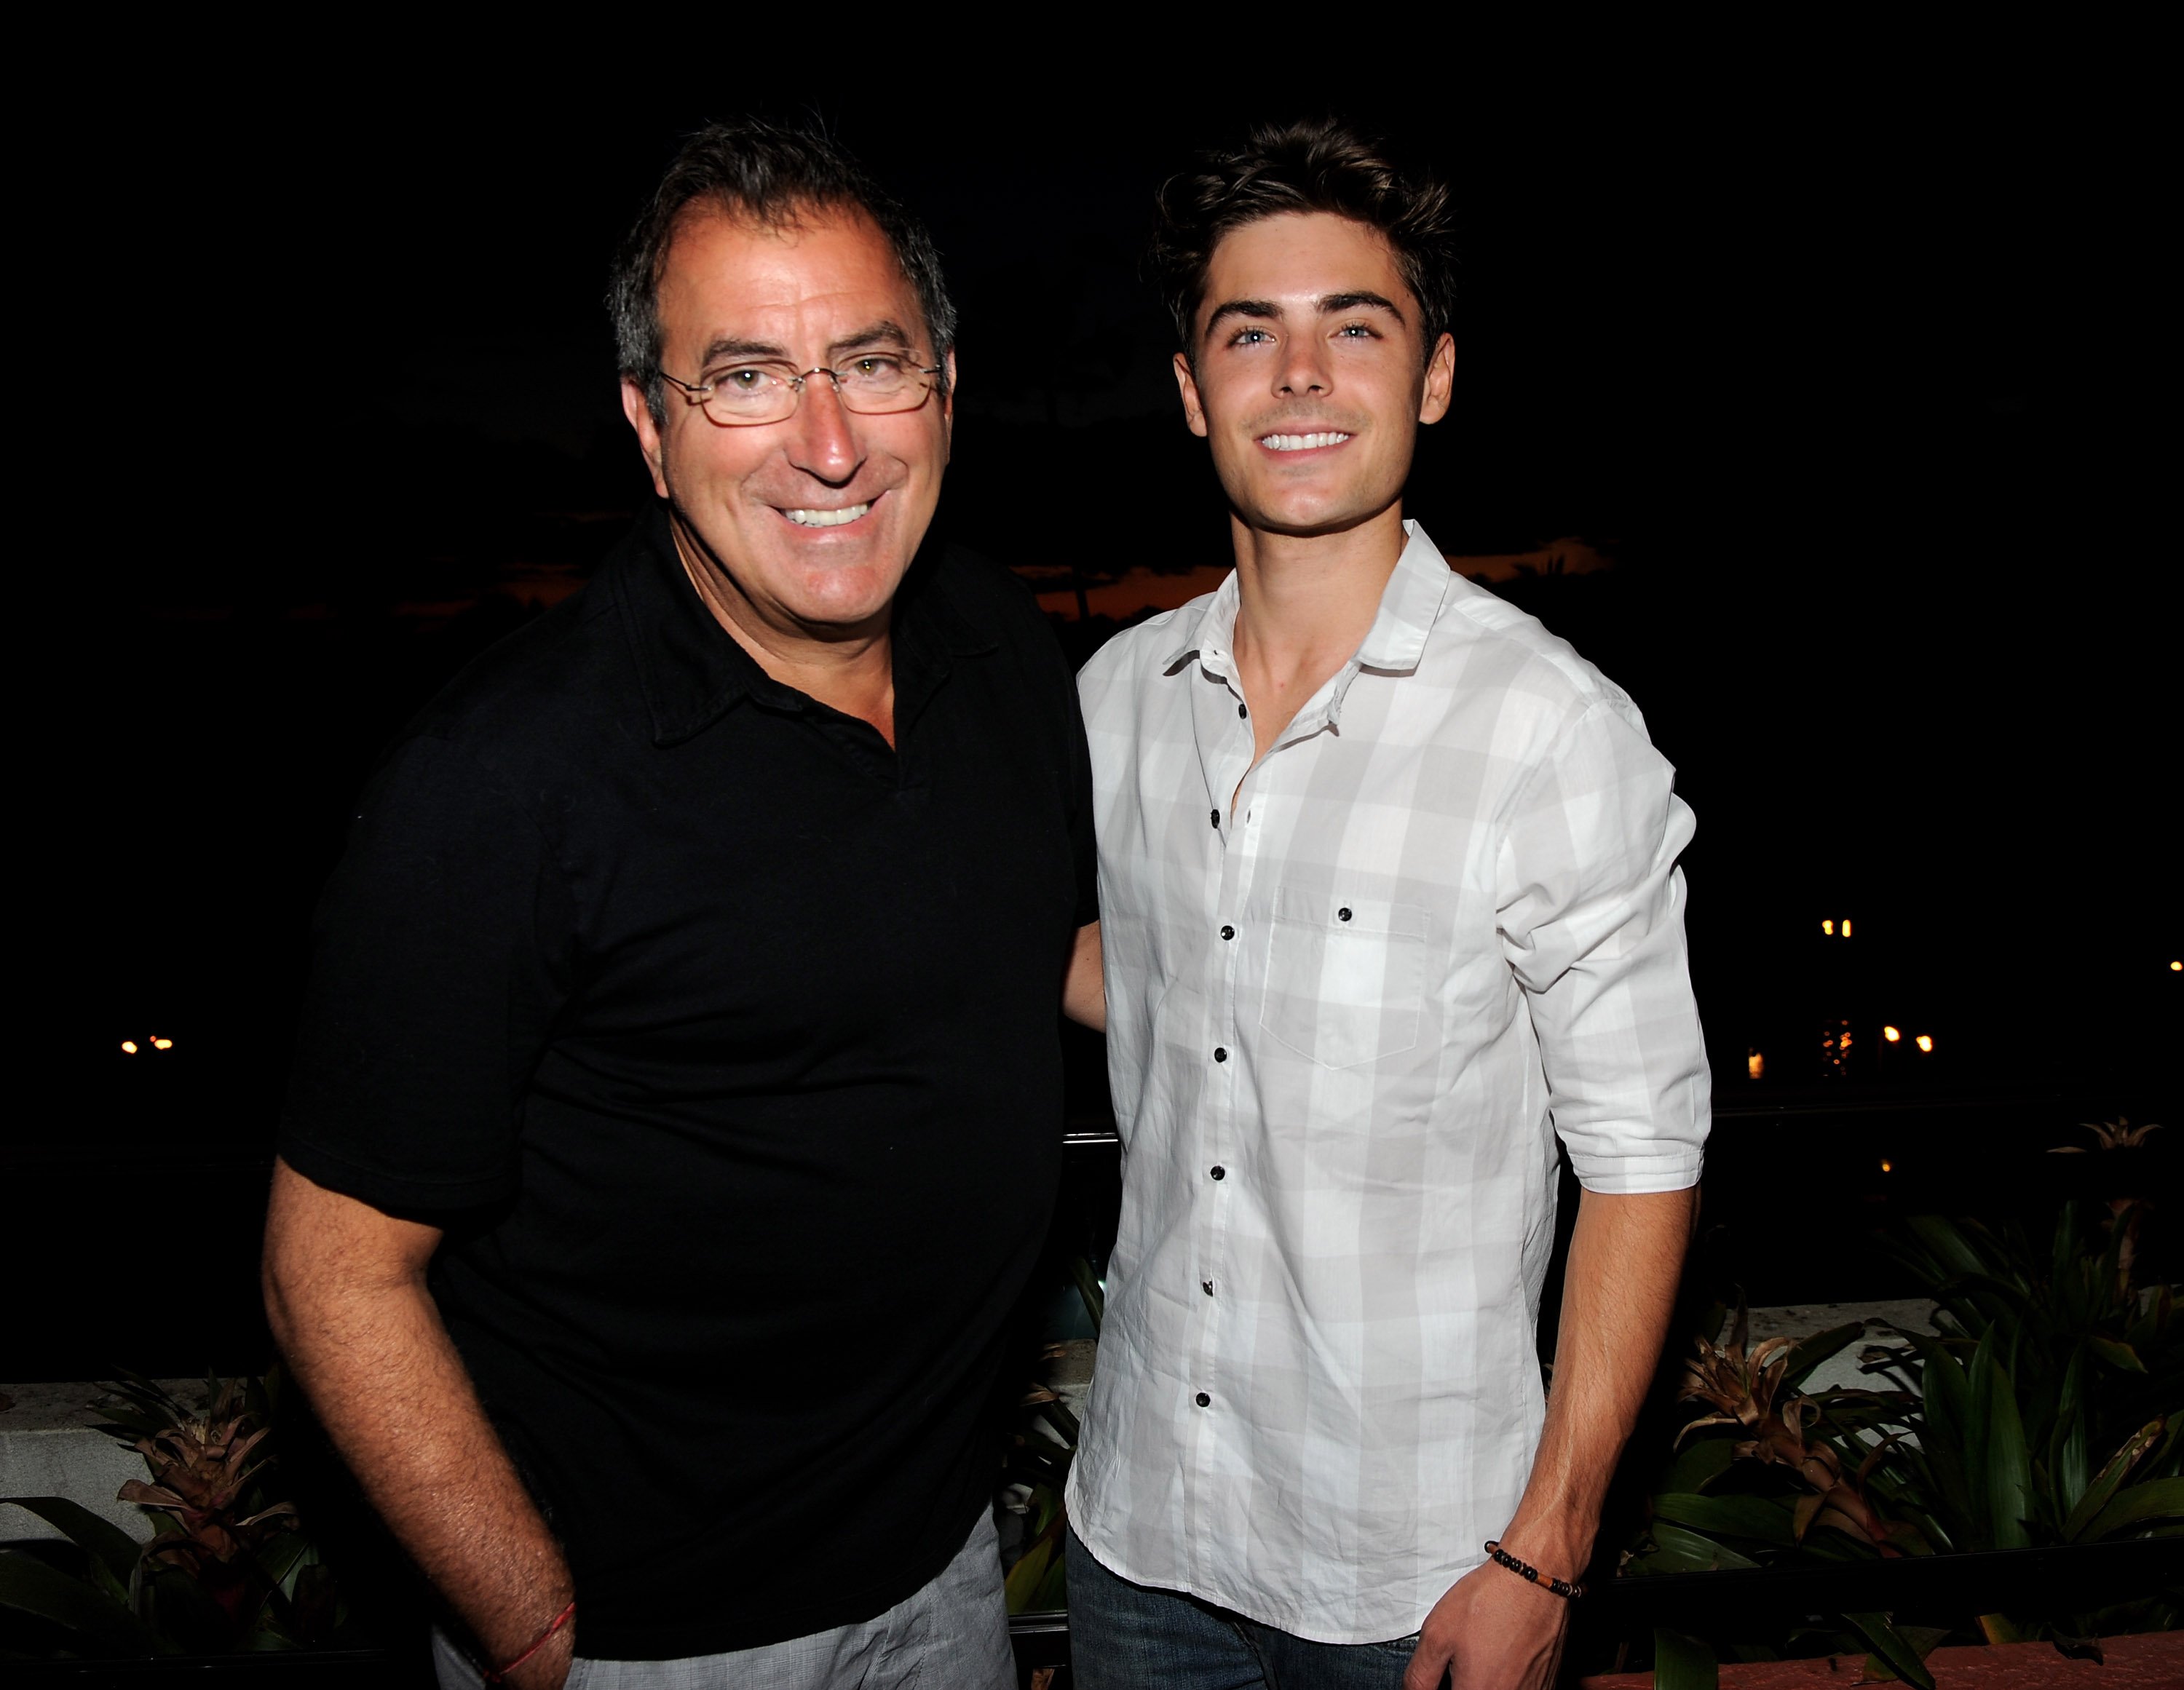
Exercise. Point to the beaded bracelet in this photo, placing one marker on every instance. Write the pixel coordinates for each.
(499, 1674)
(1525, 1570)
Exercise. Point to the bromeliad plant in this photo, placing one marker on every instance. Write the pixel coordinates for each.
(228, 1568)
(1040, 1456)
(2047, 1408)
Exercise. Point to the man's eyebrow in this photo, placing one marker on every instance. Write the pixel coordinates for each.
(1241, 307)
(730, 347)
(1350, 301)
(885, 332)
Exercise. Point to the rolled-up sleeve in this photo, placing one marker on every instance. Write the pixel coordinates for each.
(1591, 916)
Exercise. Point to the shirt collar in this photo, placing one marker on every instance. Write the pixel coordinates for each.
(693, 671)
(1410, 604)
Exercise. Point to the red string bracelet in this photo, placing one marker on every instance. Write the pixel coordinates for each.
(1525, 1570)
(499, 1674)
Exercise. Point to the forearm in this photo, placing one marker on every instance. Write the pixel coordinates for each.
(1084, 986)
(363, 1339)
(1626, 1255)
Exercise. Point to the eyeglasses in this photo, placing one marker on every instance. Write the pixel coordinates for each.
(872, 384)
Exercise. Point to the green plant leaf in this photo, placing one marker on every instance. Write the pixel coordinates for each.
(2136, 1505)
(1811, 1352)
(1025, 1577)
(2003, 1463)
(2110, 1480)
(2116, 1354)
(1891, 1649)
(1737, 1516)
(1698, 1464)
(29, 1586)
(1680, 1551)
(1683, 1662)
(113, 1551)
(1948, 1420)
(1089, 1292)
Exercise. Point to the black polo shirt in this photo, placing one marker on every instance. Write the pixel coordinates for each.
(722, 1040)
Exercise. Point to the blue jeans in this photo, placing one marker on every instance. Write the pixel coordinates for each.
(1132, 1637)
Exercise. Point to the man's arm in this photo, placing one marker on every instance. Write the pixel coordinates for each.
(1492, 1628)
(1085, 987)
(345, 1292)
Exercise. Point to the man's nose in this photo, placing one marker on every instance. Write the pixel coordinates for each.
(823, 442)
(1304, 367)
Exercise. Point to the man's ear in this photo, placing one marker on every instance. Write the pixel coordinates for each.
(1193, 413)
(1441, 380)
(947, 410)
(633, 407)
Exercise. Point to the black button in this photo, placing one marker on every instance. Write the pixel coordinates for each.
(1217, 818)
(1220, 1054)
(1205, 1286)
(1219, 1172)
(1343, 913)
(1204, 1401)
(1241, 711)
(1228, 932)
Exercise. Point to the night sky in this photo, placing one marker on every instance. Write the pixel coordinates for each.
(1857, 372)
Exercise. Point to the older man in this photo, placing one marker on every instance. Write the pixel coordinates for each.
(675, 1121)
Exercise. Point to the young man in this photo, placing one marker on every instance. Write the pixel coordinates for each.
(677, 1109)
(1389, 896)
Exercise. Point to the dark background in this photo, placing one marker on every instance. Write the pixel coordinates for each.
(1849, 355)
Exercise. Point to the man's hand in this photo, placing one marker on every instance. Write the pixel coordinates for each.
(345, 1292)
(1493, 1631)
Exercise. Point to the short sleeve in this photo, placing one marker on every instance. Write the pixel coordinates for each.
(1591, 915)
(434, 978)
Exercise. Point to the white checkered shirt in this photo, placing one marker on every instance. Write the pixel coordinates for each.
(1344, 1027)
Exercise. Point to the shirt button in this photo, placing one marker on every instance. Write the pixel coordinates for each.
(1220, 1172)
(1205, 1286)
(1241, 712)
(1228, 932)
(1220, 1053)
(1204, 1401)
(1343, 913)
(1217, 818)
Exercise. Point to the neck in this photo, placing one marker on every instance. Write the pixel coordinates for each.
(1305, 602)
(850, 669)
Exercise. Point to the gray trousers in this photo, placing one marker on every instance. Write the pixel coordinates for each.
(951, 1635)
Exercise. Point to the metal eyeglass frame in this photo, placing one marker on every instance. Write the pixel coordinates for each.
(697, 392)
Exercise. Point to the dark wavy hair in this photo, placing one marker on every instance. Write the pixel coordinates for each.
(1319, 165)
(774, 176)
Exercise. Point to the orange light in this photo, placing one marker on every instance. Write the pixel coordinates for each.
(162, 1044)
(1893, 1034)
(1755, 1065)
(1846, 926)
(129, 1046)
(2176, 968)
(1923, 1042)
(1887, 1166)
(1829, 928)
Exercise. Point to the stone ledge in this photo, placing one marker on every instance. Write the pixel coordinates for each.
(50, 1447)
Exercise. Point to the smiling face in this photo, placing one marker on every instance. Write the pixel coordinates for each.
(1310, 374)
(800, 529)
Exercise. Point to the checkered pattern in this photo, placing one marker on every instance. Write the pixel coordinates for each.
(1345, 1025)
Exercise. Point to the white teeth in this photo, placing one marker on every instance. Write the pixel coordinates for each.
(827, 519)
(1300, 442)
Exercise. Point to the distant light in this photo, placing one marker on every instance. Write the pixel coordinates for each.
(129, 1046)
(2176, 968)
(1887, 1166)
(1846, 926)
(1924, 1042)
(162, 1044)
(1829, 928)
(1755, 1065)
(1893, 1034)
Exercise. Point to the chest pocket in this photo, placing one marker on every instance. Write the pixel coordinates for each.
(1345, 977)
